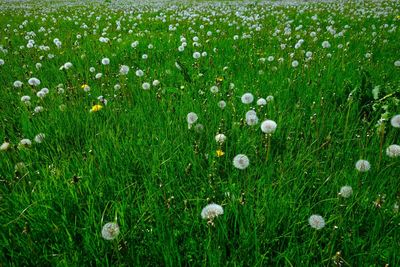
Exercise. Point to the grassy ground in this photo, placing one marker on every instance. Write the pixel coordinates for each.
(136, 162)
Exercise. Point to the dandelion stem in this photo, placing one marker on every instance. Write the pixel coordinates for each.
(268, 145)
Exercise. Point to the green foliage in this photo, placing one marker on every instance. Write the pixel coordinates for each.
(135, 162)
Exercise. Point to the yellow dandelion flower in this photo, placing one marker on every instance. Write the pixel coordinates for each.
(96, 108)
(220, 153)
(220, 79)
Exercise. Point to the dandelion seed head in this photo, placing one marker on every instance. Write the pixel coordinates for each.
(241, 161)
(346, 191)
(395, 121)
(247, 98)
(211, 211)
(110, 231)
(363, 165)
(316, 221)
(220, 138)
(268, 126)
(393, 151)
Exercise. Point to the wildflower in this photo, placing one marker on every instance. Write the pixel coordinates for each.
(98, 75)
(363, 165)
(220, 138)
(316, 221)
(251, 118)
(214, 89)
(270, 98)
(105, 61)
(5, 146)
(96, 108)
(261, 102)
(395, 121)
(39, 138)
(393, 151)
(25, 142)
(191, 118)
(397, 63)
(110, 231)
(268, 126)
(139, 73)
(124, 70)
(85, 87)
(346, 191)
(34, 81)
(295, 63)
(211, 211)
(247, 98)
(222, 104)
(326, 44)
(196, 55)
(18, 84)
(25, 98)
(1, 62)
(220, 153)
(241, 161)
(92, 69)
(67, 65)
(156, 83)
(146, 86)
(38, 109)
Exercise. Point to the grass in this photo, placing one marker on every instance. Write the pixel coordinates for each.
(135, 162)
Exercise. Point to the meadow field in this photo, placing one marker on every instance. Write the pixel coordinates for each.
(210, 133)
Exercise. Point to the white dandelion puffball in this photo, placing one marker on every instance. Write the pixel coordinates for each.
(40, 138)
(220, 138)
(295, 63)
(316, 221)
(98, 75)
(110, 231)
(105, 61)
(251, 119)
(397, 63)
(18, 84)
(191, 118)
(395, 121)
(25, 142)
(247, 98)
(139, 73)
(268, 126)
(214, 89)
(5, 146)
(222, 104)
(393, 151)
(196, 55)
(25, 98)
(34, 81)
(363, 165)
(67, 65)
(346, 191)
(156, 83)
(38, 109)
(261, 102)
(146, 86)
(124, 70)
(326, 44)
(1, 62)
(211, 211)
(241, 161)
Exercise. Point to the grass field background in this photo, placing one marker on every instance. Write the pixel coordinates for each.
(134, 161)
